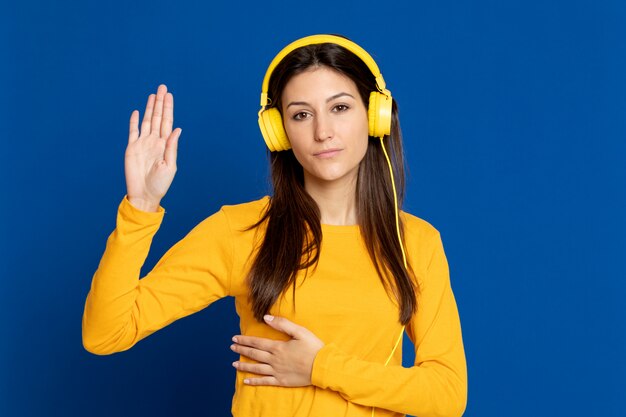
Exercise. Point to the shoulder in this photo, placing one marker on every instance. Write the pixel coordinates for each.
(234, 217)
(243, 215)
(416, 228)
(422, 241)
(229, 222)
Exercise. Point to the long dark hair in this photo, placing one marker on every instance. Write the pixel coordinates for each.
(293, 234)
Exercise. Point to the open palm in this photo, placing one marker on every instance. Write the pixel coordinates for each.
(150, 159)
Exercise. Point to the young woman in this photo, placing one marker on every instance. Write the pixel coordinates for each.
(326, 273)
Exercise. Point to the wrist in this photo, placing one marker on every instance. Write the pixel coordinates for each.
(144, 205)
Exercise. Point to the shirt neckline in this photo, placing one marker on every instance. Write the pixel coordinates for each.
(335, 228)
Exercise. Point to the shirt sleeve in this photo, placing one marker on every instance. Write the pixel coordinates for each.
(121, 308)
(437, 383)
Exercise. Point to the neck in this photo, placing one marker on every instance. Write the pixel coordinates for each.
(336, 200)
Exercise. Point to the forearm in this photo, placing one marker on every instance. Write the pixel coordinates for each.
(430, 389)
(110, 309)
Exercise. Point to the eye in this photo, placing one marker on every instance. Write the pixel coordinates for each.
(300, 116)
(340, 108)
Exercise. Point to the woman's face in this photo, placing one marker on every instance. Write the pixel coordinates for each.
(326, 122)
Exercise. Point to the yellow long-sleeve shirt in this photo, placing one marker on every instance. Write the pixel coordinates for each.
(342, 302)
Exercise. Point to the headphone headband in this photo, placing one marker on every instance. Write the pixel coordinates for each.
(317, 39)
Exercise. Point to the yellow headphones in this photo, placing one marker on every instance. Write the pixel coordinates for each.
(379, 111)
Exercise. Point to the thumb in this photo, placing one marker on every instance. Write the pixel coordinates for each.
(171, 147)
(283, 325)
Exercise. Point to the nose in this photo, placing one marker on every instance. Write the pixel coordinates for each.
(323, 128)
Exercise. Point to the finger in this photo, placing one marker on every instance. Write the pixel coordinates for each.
(171, 147)
(133, 132)
(168, 115)
(155, 124)
(147, 116)
(252, 353)
(260, 343)
(283, 325)
(254, 368)
(266, 380)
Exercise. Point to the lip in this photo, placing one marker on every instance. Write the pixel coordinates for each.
(327, 153)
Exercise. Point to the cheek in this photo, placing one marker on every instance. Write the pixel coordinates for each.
(362, 150)
(363, 141)
(295, 133)
(297, 144)
(299, 156)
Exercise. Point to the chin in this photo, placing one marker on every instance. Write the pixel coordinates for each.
(332, 175)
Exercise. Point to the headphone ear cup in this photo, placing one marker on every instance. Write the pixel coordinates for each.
(379, 114)
(271, 125)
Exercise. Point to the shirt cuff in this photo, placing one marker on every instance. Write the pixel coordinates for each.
(135, 215)
(322, 364)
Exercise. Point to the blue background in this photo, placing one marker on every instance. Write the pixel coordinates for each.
(514, 117)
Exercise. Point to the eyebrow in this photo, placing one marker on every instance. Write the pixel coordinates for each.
(336, 96)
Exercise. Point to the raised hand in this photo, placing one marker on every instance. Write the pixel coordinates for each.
(150, 159)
